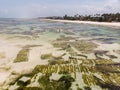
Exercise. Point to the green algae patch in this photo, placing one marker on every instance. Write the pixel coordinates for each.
(22, 56)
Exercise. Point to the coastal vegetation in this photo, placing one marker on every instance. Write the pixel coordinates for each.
(106, 17)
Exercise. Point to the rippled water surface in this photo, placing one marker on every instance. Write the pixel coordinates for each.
(30, 27)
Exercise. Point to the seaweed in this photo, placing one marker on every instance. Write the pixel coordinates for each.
(89, 79)
(46, 56)
(78, 88)
(67, 81)
(29, 46)
(22, 84)
(64, 83)
(87, 88)
(62, 42)
(57, 61)
(106, 85)
(111, 68)
(84, 46)
(71, 51)
(64, 38)
(29, 88)
(22, 56)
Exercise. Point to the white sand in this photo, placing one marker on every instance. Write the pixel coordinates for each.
(113, 24)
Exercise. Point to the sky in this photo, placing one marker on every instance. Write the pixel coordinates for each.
(43, 8)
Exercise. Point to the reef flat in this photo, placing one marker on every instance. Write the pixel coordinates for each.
(42, 55)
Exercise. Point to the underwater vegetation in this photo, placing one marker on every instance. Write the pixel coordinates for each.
(20, 37)
(81, 45)
(73, 69)
(46, 56)
(52, 60)
(71, 51)
(109, 72)
(57, 61)
(62, 42)
(29, 88)
(22, 56)
(45, 83)
(30, 46)
(84, 46)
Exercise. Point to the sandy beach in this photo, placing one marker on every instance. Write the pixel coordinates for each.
(110, 24)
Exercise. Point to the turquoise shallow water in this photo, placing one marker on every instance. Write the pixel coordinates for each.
(29, 27)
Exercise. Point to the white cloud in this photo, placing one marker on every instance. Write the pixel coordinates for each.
(37, 9)
(112, 6)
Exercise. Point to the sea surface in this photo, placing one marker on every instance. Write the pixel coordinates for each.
(31, 27)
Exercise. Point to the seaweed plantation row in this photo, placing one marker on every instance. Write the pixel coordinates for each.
(46, 69)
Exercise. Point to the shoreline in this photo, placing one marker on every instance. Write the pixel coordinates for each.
(111, 24)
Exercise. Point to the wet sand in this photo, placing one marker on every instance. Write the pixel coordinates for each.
(113, 24)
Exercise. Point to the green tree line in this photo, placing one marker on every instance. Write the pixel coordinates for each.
(106, 17)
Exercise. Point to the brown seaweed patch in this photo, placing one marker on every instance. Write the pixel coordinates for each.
(20, 37)
(22, 56)
(107, 84)
(64, 83)
(84, 46)
(111, 68)
(29, 88)
(29, 46)
(89, 79)
(58, 61)
(103, 61)
(60, 44)
(46, 56)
